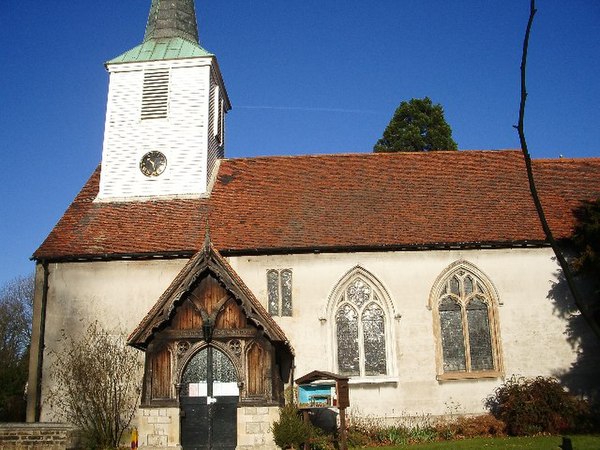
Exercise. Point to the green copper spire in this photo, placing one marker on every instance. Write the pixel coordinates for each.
(171, 33)
(171, 19)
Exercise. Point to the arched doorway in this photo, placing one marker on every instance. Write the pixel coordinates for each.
(208, 398)
(213, 355)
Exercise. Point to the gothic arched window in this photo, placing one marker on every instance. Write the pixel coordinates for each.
(464, 304)
(360, 330)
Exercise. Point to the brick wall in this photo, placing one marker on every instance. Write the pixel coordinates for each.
(37, 436)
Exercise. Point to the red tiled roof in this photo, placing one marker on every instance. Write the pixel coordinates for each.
(563, 184)
(99, 229)
(354, 201)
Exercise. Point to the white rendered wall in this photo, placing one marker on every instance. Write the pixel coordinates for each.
(117, 294)
(533, 337)
(183, 136)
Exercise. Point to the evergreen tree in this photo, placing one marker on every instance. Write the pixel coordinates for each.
(418, 125)
(586, 238)
(16, 299)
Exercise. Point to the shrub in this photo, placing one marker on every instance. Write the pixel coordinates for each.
(421, 433)
(368, 431)
(375, 432)
(446, 431)
(537, 405)
(364, 431)
(96, 385)
(357, 437)
(320, 440)
(290, 431)
(468, 427)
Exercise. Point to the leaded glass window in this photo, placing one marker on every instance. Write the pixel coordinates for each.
(273, 292)
(195, 376)
(373, 321)
(279, 292)
(360, 331)
(198, 374)
(479, 335)
(453, 342)
(286, 292)
(465, 321)
(346, 321)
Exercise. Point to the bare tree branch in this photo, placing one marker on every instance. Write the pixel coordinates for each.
(96, 385)
(570, 279)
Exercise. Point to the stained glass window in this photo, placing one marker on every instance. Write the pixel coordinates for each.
(195, 375)
(359, 292)
(454, 285)
(360, 331)
(479, 335)
(273, 292)
(194, 382)
(468, 283)
(286, 292)
(465, 324)
(346, 321)
(453, 342)
(373, 322)
(279, 292)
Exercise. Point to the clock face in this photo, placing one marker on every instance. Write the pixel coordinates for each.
(153, 164)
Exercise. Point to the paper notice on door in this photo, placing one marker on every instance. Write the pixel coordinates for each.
(197, 389)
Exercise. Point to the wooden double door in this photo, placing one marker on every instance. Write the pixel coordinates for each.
(209, 397)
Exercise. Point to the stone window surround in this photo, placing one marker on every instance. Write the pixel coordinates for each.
(493, 304)
(385, 302)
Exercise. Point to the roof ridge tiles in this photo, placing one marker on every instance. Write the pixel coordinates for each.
(570, 159)
(373, 154)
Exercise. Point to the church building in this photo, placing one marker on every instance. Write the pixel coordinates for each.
(425, 278)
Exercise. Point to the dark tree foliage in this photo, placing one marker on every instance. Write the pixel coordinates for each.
(16, 300)
(418, 125)
(587, 238)
(529, 406)
(587, 243)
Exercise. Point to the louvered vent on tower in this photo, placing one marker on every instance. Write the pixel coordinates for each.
(155, 95)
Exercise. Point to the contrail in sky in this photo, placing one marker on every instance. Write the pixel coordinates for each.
(301, 108)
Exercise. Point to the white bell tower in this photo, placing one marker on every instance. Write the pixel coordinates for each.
(165, 121)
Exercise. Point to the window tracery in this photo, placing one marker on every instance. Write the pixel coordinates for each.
(465, 314)
(360, 331)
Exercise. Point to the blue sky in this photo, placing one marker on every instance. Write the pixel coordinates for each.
(311, 76)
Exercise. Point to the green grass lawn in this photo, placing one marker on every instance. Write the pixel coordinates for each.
(533, 443)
